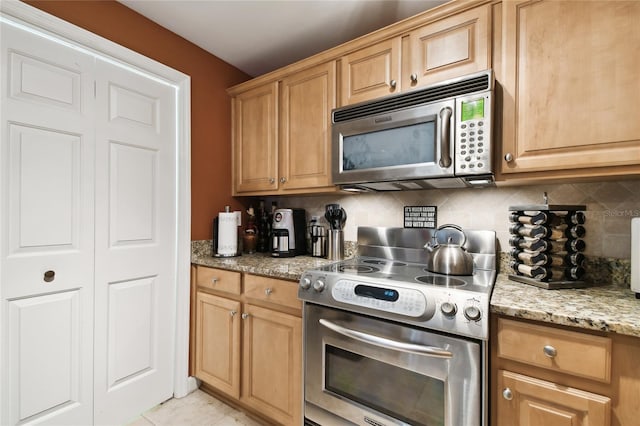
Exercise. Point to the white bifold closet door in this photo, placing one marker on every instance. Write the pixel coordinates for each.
(88, 236)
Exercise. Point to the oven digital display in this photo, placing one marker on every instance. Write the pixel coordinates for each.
(386, 294)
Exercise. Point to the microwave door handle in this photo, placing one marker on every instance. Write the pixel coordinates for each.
(383, 342)
(445, 137)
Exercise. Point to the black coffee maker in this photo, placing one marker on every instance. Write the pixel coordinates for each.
(288, 233)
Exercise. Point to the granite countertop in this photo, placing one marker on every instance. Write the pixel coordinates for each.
(611, 308)
(604, 308)
(290, 268)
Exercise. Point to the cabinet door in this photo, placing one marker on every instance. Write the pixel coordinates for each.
(307, 99)
(272, 364)
(570, 87)
(525, 401)
(255, 139)
(371, 72)
(218, 343)
(448, 48)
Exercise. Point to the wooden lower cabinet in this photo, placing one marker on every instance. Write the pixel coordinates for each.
(272, 364)
(248, 342)
(527, 401)
(551, 375)
(217, 343)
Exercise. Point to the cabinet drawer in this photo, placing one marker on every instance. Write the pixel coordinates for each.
(272, 290)
(218, 279)
(568, 352)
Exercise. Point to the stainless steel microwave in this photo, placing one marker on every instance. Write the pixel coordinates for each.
(436, 137)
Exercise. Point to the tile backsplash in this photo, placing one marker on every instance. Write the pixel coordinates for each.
(610, 207)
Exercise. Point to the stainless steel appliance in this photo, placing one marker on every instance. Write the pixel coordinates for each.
(288, 233)
(386, 342)
(436, 137)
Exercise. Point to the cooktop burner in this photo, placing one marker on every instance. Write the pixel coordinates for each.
(384, 262)
(357, 269)
(445, 281)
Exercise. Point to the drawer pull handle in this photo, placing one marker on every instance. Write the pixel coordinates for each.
(507, 394)
(233, 313)
(268, 291)
(550, 351)
(245, 315)
(214, 280)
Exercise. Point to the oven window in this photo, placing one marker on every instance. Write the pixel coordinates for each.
(392, 147)
(399, 393)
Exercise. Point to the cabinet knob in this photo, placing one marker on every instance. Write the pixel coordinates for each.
(508, 157)
(393, 84)
(550, 351)
(507, 394)
(267, 291)
(49, 276)
(414, 78)
(245, 315)
(283, 179)
(214, 280)
(272, 180)
(233, 313)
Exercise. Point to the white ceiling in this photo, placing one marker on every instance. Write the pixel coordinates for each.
(258, 36)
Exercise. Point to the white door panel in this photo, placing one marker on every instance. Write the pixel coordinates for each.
(45, 350)
(46, 231)
(135, 243)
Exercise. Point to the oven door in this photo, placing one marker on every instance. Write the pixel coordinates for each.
(376, 372)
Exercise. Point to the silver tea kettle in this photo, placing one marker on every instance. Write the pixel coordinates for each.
(449, 258)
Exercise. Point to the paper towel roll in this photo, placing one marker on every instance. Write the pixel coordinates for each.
(228, 233)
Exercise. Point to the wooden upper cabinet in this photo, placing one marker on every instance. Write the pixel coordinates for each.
(448, 48)
(255, 139)
(282, 134)
(569, 88)
(371, 72)
(307, 98)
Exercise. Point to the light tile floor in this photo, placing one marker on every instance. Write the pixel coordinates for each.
(196, 409)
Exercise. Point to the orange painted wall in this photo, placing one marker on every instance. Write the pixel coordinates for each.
(210, 104)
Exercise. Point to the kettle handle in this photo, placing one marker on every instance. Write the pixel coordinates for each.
(452, 226)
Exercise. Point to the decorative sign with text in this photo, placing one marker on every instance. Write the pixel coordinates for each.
(420, 216)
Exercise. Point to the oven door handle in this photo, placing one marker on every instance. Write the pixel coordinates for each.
(384, 342)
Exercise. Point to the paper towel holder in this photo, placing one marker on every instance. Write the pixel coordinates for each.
(216, 234)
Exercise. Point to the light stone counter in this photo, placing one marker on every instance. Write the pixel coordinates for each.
(604, 308)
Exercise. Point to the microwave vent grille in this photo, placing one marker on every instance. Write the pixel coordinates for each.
(411, 99)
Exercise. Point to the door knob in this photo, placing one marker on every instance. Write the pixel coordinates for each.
(283, 179)
(214, 280)
(49, 276)
(414, 78)
(268, 291)
(393, 84)
(508, 157)
(233, 313)
(272, 180)
(245, 315)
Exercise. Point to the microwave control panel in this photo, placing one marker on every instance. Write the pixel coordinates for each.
(473, 134)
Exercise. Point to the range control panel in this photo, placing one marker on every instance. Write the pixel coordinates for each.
(426, 306)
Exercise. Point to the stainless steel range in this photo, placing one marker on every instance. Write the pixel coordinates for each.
(386, 342)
